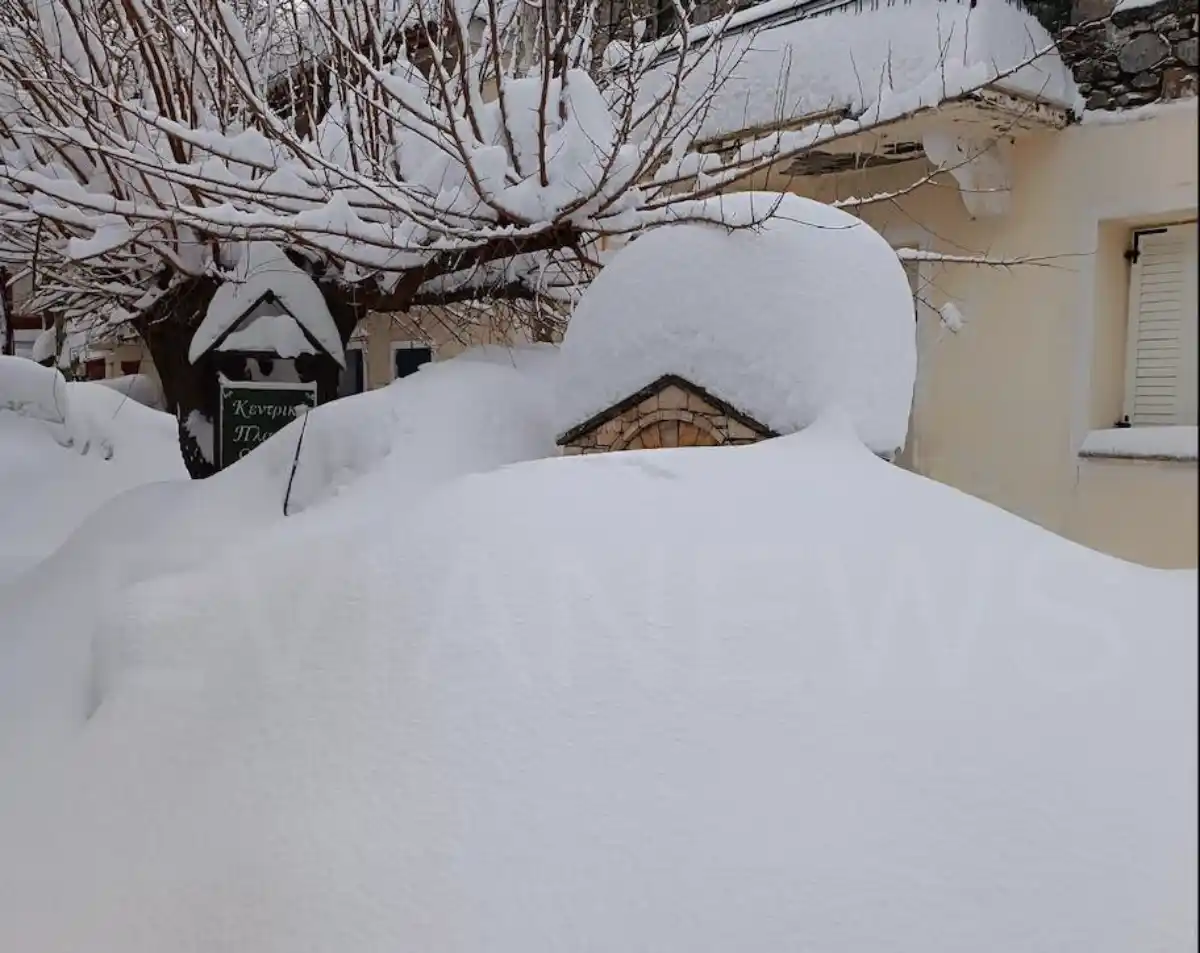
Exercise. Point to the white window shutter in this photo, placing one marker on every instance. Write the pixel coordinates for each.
(1161, 367)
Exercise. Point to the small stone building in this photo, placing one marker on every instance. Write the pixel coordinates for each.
(671, 412)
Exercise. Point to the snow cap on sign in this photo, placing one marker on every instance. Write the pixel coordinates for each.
(263, 269)
(809, 312)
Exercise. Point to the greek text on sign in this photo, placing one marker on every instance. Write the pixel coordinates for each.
(254, 411)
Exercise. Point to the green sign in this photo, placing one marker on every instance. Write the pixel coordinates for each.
(252, 411)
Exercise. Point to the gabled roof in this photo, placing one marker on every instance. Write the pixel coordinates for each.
(266, 298)
(650, 390)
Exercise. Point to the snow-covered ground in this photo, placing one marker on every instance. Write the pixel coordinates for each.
(769, 698)
(468, 696)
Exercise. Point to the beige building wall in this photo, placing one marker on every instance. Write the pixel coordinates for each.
(1003, 406)
(121, 359)
(445, 333)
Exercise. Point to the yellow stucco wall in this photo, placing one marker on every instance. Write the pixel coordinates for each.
(1003, 406)
(128, 353)
(444, 332)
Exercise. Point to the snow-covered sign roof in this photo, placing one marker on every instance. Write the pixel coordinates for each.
(268, 328)
(810, 311)
(264, 275)
(879, 62)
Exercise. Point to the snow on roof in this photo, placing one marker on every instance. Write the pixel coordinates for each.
(881, 61)
(262, 268)
(263, 331)
(811, 311)
(44, 346)
(775, 698)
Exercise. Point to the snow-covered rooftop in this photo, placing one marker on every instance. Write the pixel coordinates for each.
(810, 311)
(873, 60)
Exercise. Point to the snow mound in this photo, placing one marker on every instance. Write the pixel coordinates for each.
(143, 388)
(33, 391)
(453, 417)
(77, 415)
(811, 311)
(364, 461)
(263, 269)
(54, 473)
(845, 709)
(44, 346)
(878, 63)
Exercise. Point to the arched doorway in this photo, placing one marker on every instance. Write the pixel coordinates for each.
(666, 430)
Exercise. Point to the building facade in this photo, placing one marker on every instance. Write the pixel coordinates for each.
(1058, 373)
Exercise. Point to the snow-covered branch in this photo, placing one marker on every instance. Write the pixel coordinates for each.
(387, 142)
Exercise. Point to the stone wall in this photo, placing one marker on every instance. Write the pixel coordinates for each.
(672, 417)
(1133, 56)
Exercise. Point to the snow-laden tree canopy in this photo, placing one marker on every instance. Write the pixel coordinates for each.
(397, 153)
(402, 148)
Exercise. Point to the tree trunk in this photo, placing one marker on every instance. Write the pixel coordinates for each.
(191, 390)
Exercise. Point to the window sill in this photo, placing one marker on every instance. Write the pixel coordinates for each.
(1177, 444)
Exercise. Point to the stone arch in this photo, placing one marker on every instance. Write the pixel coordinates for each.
(669, 428)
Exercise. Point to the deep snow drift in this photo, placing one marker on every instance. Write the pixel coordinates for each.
(394, 445)
(769, 698)
(809, 312)
(66, 449)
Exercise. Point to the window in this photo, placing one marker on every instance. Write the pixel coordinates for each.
(1160, 355)
(94, 369)
(130, 367)
(408, 356)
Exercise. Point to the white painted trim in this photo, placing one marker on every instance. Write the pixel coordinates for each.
(407, 345)
(1132, 308)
